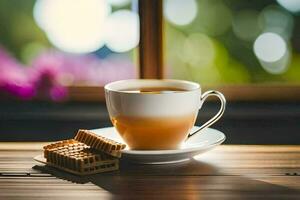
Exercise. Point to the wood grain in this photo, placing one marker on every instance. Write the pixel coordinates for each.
(227, 172)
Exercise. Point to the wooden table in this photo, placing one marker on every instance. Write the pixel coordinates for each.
(227, 172)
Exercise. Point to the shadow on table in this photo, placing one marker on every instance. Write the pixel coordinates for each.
(189, 168)
(197, 180)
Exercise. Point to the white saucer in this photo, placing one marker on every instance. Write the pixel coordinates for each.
(197, 144)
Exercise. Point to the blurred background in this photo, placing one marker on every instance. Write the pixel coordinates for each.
(233, 42)
(50, 48)
(47, 45)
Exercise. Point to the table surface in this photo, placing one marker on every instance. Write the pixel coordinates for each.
(227, 172)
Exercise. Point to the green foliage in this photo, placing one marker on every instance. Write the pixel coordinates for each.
(18, 28)
(234, 61)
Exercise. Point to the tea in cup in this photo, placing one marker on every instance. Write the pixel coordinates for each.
(156, 114)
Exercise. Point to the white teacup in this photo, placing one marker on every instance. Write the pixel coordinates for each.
(156, 114)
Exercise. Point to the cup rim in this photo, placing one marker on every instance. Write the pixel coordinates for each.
(110, 86)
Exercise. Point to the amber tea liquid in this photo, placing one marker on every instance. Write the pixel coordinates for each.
(153, 132)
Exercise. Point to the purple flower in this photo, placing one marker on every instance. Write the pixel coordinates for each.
(45, 77)
(14, 79)
(28, 82)
(85, 69)
(52, 71)
(58, 93)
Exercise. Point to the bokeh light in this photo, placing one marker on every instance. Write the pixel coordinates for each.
(122, 31)
(180, 12)
(214, 17)
(73, 26)
(276, 20)
(270, 47)
(174, 49)
(272, 52)
(198, 50)
(278, 67)
(245, 25)
(290, 5)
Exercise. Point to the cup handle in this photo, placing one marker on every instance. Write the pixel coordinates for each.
(218, 115)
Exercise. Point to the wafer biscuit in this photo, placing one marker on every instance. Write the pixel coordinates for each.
(78, 158)
(100, 143)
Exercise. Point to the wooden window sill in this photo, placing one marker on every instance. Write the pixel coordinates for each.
(253, 92)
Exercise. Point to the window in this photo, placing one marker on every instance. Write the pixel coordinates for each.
(53, 47)
(61, 48)
(249, 49)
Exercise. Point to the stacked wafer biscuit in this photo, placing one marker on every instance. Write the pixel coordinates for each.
(88, 153)
(100, 143)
